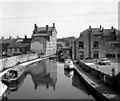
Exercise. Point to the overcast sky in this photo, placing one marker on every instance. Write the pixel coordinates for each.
(70, 16)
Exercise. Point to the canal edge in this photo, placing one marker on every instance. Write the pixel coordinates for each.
(97, 95)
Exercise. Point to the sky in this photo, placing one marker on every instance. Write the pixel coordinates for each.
(17, 17)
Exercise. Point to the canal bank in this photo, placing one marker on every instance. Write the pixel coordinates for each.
(14, 60)
(102, 72)
(25, 64)
(47, 79)
(99, 90)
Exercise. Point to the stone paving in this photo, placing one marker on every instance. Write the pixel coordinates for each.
(107, 69)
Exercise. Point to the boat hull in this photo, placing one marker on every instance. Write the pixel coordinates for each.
(13, 82)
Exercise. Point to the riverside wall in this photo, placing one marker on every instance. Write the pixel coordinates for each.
(12, 61)
(109, 80)
(97, 95)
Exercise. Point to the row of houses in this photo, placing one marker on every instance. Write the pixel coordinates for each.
(97, 43)
(42, 41)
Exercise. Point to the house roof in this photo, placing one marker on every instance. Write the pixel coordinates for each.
(39, 39)
(43, 29)
(108, 31)
(6, 41)
(27, 40)
(18, 45)
(98, 31)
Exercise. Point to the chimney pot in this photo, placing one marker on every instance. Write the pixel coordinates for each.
(100, 26)
(112, 27)
(25, 36)
(35, 25)
(90, 29)
(46, 28)
(53, 25)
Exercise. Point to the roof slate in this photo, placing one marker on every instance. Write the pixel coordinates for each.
(7, 41)
(39, 39)
(43, 29)
(98, 31)
(18, 45)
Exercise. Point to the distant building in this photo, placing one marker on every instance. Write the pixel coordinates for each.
(4, 45)
(96, 43)
(26, 40)
(61, 44)
(18, 48)
(48, 33)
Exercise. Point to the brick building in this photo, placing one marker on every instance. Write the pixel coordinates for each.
(97, 43)
(49, 34)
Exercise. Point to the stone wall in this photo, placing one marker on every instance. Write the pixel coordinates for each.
(105, 78)
(11, 61)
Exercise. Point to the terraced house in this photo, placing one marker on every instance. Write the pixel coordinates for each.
(97, 43)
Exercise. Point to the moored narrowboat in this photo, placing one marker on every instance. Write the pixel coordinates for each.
(13, 75)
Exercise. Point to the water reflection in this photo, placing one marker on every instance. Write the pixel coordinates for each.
(76, 80)
(42, 81)
(44, 74)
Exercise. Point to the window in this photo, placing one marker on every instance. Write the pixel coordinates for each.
(20, 49)
(110, 55)
(118, 55)
(81, 54)
(15, 49)
(81, 45)
(96, 44)
(96, 54)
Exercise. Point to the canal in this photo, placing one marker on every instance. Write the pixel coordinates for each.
(47, 79)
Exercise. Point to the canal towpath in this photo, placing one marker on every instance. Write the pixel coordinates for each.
(23, 64)
(98, 85)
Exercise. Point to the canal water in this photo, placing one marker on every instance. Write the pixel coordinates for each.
(47, 79)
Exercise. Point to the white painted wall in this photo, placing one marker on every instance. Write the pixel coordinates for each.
(37, 47)
(9, 62)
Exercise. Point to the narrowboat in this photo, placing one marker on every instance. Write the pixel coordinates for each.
(13, 76)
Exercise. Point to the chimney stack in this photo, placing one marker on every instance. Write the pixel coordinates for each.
(53, 25)
(90, 29)
(100, 27)
(112, 27)
(46, 28)
(35, 26)
(25, 36)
